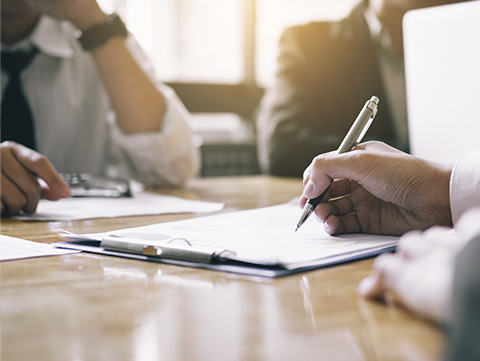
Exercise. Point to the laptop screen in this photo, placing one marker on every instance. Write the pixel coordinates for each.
(442, 67)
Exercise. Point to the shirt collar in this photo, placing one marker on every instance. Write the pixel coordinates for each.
(51, 36)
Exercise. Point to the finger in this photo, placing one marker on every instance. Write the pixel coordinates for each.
(337, 207)
(302, 201)
(21, 179)
(343, 224)
(339, 188)
(390, 268)
(370, 287)
(406, 246)
(43, 168)
(306, 175)
(326, 167)
(13, 199)
(49, 194)
(307, 172)
(417, 244)
(386, 269)
(318, 181)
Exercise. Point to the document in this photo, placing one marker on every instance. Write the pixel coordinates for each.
(260, 241)
(15, 248)
(142, 203)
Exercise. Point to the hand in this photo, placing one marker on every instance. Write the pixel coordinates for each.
(20, 188)
(378, 189)
(82, 13)
(420, 275)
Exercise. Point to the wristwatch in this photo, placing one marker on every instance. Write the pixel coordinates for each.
(99, 34)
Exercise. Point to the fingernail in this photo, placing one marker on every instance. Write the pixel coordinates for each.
(327, 227)
(309, 188)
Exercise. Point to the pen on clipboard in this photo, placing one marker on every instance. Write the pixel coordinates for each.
(353, 137)
(166, 251)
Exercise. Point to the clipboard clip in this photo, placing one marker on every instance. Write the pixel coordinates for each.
(175, 252)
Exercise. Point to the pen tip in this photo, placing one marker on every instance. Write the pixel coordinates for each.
(296, 229)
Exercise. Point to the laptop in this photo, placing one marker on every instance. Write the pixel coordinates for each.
(442, 68)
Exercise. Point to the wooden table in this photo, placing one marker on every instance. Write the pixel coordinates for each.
(91, 307)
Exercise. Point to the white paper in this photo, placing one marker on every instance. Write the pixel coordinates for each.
(143, 203)
(263, 236)
(15, 248)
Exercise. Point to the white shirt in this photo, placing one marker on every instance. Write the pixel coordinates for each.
(465, 184)
(75, 126)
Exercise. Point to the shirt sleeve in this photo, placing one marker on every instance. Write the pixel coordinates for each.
(168, 157)
(465, 184)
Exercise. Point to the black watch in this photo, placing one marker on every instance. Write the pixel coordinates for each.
(99, 34)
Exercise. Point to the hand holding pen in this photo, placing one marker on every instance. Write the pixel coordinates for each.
(379, 190)
(353, 137)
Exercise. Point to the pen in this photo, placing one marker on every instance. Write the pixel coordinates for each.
(353, 137)
(168, 251)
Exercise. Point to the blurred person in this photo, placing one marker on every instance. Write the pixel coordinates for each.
(79, 95)
(436, 275)
(325, 71)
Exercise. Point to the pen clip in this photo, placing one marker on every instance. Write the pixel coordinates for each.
(360, 126)
(364, 131)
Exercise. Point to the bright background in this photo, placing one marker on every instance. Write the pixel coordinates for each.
(219, 56)
(205, 40)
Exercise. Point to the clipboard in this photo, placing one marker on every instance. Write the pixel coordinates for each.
(216, 263)
(258, 242)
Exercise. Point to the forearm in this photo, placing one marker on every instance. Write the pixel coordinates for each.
(138, 104)
(166, 158)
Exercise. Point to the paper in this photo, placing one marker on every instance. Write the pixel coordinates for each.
(262, 236)
(143, 203)
(15, 248)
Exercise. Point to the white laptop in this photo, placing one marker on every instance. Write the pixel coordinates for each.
(442, 65)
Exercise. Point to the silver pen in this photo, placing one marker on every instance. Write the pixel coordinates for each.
(353, 137)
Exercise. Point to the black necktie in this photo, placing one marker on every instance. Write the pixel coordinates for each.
(16, 118)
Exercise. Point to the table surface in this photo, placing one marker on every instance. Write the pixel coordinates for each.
(92, 307)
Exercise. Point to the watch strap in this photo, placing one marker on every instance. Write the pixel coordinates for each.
(99, 34)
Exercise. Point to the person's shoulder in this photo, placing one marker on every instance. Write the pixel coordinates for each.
(345, 29)
(306, 33)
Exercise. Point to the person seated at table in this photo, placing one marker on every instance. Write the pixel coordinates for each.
(321, 68)
(436, 274)
(80, 96)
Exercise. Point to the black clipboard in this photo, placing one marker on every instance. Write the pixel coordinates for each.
(222, 264)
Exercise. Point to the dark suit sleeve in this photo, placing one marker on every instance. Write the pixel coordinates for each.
(286, 141)
(326, 71)
(464, 331)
